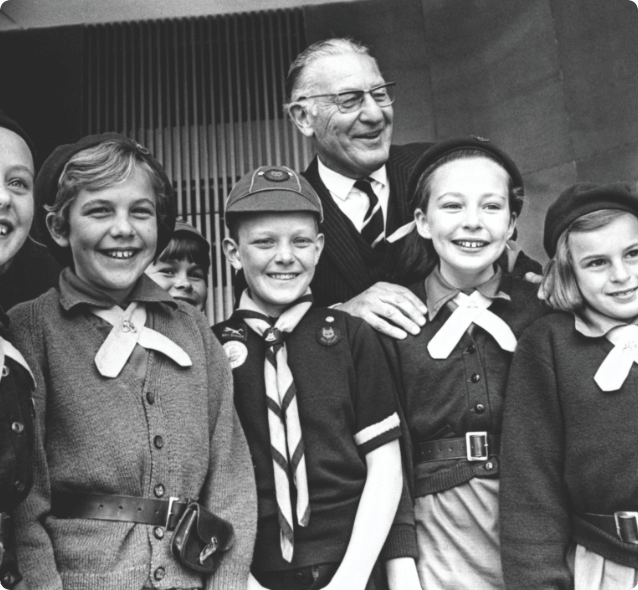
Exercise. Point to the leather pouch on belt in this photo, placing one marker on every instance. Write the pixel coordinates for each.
(201, 539)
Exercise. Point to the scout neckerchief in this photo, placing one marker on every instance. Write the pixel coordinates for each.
(286, 442)
(468, 310)
(614, 369)
(7, 350)
(128, 325)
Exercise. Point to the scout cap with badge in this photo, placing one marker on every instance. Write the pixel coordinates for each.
(272, 189)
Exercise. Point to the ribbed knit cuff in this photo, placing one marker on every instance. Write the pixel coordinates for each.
(401, 542)
(227, 578)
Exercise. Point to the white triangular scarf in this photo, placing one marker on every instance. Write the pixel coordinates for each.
(472, 309)
(129, 330)
(614, 369)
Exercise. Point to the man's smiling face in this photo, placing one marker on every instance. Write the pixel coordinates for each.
(353, 144)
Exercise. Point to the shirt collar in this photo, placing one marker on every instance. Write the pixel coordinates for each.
(593, 324)
(340, 185)
(439, 291)
(74, 291)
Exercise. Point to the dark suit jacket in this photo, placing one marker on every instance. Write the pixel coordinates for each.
(348, 265)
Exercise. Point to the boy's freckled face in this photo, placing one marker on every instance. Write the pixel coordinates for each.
(184, 280)
(278, 253)
(605, 263)
(16, 194)
(468, 219)
(113, 234)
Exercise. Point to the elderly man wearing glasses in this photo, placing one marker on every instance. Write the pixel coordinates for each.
(338, 98)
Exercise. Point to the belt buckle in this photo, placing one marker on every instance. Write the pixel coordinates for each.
(169, 512)
(619, 528)
(483, 454)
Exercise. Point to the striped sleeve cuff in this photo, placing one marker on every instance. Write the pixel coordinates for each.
(375, 430)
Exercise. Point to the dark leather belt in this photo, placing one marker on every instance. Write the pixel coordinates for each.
(474, 446)
(164, 513)
(621, 525)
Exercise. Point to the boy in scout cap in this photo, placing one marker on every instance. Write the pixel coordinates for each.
(315, 398)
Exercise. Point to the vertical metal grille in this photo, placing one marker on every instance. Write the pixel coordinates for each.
(204, 95)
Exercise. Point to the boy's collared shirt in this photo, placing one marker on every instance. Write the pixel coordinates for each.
(439, 291)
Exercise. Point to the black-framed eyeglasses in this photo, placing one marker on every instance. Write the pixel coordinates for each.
(352, 100)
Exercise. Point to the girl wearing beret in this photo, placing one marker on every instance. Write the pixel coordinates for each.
(134, 405)
(569, 497)
(466, 195)
(16, 381)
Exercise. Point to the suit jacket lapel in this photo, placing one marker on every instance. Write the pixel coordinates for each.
(342, 239)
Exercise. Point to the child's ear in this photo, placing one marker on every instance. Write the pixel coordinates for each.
(422, 226)
(319, 244)
(302, 118)
(231, 250)
(57, 229)
(512, 227)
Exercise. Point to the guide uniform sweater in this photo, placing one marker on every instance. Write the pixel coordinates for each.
(569, 449)
(100, 435)
(445, 398)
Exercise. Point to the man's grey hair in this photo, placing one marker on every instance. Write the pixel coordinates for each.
(299, 82)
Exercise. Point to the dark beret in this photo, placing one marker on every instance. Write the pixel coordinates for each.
(583, 198)
(446, 147)
(46, 189)
(8, 123)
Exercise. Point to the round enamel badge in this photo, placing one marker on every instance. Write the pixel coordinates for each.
(236, 353)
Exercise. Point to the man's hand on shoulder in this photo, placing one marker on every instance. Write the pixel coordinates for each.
(389, 309)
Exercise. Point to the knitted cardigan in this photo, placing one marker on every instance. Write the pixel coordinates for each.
(568, 448)
(97, 435)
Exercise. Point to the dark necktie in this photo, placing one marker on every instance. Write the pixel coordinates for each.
(373, 227)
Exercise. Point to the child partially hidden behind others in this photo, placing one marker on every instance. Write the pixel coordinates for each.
(569, 499)
(314, 396)
(133, 394)
(182, 267)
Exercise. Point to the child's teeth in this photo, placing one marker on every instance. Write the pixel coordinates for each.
(121, 254)
(4, 230)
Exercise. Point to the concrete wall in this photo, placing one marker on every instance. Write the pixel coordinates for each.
(553, 82)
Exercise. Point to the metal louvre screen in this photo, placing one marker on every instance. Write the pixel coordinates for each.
(205, 96)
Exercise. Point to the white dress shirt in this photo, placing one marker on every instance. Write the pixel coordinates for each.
(352, 201)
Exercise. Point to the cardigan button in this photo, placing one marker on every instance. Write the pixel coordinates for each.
(19, 486)
(5, 371)
(159, 490)
(158, 441)
(479, 408)
(158, 531)
(150, 397)
(471, 349)
(475, 378)
(159, 573)
(17, 427)
(489, 465)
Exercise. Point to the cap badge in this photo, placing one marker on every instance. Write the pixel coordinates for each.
(276, 175)
(479, 138)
